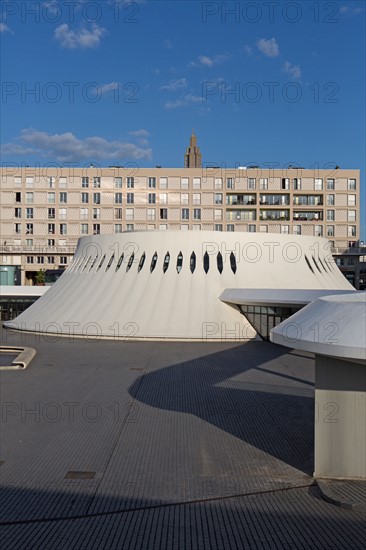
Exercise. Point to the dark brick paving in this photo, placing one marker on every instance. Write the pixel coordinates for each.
(169, 445)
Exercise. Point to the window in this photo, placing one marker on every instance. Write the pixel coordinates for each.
(252, 228)
(130, 183)
(118, 198)
(196, 198)
(118, 183)
(118, 213)
(50, 259)
(51, 181)
(330, 184)
(163, 198)
(163, 183)
(29, 181)
(50, 242)
(318, 184)
(352, 185)
(29, 213)
(163, 213)
(96, 198)
(184, 183)
(84, 213)
(330, 216)
(184, 198)
(185, 213)
(263, 183)
(330, 230)
(351, 231)
(218, 198)
(62, 183)
(63, 197)
(152, 198)
(29, 229)
(62, 214)
(18, 196)
(196, 183)
(330, 200)
(85, 182)
(130, 227)
(196, 213)
(251, 183)
(29, 197)
(297, 229)
(297, 183)
(96, 228)
(230, 227)
(151, 214)
(351, 200)
(51, 213)
(63, 260)
(30, 259)
(96, 213)
(285, 183)
(17, 181)
(218, 226)
(163, 227)
(118, 228)
(152, 183)
(40, 259)
(63, 229)
(51, 198)
(17, 228)
(129, 214)
(96, 182)
(351, 215)
(285, 229)
(51, 229)
(17, 212)
(84, 230)
(318, 230)
(130, 198)
(230, 183)
(218, 214)
(218, 183)
(84, 198)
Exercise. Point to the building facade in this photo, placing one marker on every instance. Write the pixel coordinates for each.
(44, 210)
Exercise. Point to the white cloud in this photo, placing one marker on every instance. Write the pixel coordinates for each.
(247, 50)
(5, 28)
(268, 47)
(139, 133)
(167, 44)
(292, 70)
(188, 99)
(105, 88)
(82, 38)
(350, 10)
(206, 61)
(52, 6)
(175, 85)
(68, 148)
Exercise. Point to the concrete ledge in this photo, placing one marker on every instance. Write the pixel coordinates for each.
(23, 359)
(348, 494)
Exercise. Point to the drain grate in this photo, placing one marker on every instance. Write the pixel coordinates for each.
(80, 475)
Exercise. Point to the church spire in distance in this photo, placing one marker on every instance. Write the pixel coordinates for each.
(193, 157)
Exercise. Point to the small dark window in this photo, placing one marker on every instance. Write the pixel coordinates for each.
(130, 262)
(309, 265)
(220, 265)
(119, 263)
(206, 262)
(192, 262)
(166, 262)
(179, 262)
(101, 263)
(153, 262)
(110, 262)
(233, 262)
(141, 263)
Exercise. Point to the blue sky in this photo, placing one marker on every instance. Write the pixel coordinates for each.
(119, 82)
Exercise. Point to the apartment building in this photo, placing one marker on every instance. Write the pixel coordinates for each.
(44, 210)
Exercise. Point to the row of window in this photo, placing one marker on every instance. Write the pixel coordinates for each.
(95, 182)
(45, 259)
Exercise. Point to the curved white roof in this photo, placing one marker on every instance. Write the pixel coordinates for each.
(331, 325)
(167, 284)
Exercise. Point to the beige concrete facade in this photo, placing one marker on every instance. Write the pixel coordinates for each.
(44, 211)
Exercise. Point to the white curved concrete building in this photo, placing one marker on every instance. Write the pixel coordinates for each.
(172, 285)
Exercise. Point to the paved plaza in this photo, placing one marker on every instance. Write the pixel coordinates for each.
(163, 445)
